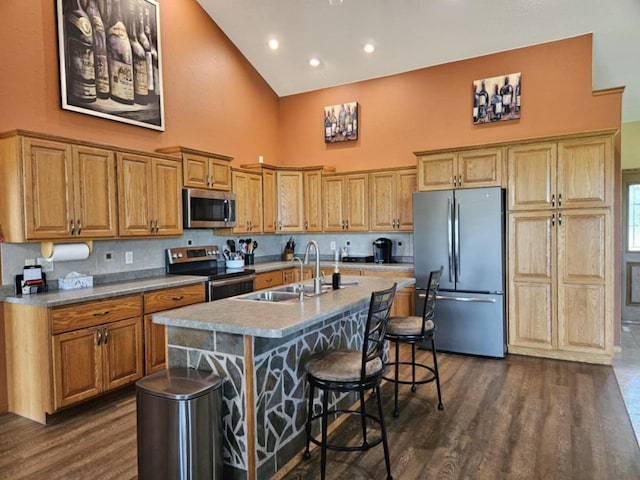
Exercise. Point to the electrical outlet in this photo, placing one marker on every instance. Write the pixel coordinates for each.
(348, 243)
(332, 245)
(108, 256)
(128, 257)
(46, 265)
(399, 244)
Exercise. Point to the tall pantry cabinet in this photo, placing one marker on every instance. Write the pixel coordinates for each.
(561, 263)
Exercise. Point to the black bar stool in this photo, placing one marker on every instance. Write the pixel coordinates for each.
(413, 330)
(352, 371)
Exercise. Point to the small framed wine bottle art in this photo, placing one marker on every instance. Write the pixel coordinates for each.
(110, 61)
(497, 99)
(341, 122)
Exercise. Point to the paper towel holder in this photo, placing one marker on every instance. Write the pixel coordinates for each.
(46, 248)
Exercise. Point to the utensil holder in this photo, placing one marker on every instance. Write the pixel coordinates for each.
(248, 259)
(287, 256)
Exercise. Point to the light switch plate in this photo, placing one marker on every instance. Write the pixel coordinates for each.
(128, 257)
(47, 266)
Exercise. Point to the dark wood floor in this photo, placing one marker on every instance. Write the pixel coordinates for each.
(520, 418)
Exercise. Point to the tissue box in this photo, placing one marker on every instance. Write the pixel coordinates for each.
(70, 283)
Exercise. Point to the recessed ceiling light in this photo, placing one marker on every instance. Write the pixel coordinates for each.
(273, 44)
(314, 62)
(368, 48)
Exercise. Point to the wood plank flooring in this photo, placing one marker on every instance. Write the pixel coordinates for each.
(519, 418)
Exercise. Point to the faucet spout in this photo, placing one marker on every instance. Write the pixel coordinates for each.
(300, 285)
(317, 281)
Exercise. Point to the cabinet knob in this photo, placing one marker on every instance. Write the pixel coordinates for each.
(98, 336)
(106, 335)
(559, 200)
(553, 200)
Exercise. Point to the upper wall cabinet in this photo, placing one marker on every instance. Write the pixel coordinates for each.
(248, 189)
(346, 202)
(572, 173)
(290, 201)
(392, 199)
(460, 169)
(150, 195)
(66, 190)
(312, 200)
(203, 169)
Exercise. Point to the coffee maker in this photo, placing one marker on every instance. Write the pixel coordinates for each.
(382, 250)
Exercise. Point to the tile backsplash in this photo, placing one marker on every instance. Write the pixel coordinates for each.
(149, 254)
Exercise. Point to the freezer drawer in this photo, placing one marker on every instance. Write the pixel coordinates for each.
(469, 323)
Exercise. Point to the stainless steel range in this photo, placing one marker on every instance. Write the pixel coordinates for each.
(207, 261)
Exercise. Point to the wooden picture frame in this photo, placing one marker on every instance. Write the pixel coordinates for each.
(110, 60)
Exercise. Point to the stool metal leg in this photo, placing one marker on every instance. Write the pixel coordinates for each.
(307, 454)
(383, 432)
(323, 447)
(364, 420)
(413, 367)
(396, 412)
(435, 368)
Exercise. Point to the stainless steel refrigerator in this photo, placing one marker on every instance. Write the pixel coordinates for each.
(463, 231)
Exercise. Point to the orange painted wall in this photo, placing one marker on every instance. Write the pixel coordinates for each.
(214, 99)
(431, 108)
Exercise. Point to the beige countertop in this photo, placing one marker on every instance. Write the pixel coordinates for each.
(277, 319)
(107, 290)
(270, 266)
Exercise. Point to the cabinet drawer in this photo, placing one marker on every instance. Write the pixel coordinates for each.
(84, 315)
(169, 298)
(268, 279)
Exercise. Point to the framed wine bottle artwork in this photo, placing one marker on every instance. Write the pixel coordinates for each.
(497, 99)
(341, 122)
(110, 60)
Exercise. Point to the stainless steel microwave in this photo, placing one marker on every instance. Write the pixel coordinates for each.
(208, 208)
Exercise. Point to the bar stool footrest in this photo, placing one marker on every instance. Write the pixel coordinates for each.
(408, 382)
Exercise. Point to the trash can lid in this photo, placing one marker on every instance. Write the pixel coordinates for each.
(179, 383)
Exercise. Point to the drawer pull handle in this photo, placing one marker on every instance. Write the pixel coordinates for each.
(106, 336)
(101, 314)
(179, 297)
(99, 336)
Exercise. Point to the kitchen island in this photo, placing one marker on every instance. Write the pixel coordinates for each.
(259, 348)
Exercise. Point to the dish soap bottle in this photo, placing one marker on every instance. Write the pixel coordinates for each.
(335, 278)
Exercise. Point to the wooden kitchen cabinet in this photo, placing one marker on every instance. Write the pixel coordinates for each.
(247, 186)
(571, 173)
(468, 168)
(155, 339)
(561, 284)
(150, 195)
(290, 201)
(312, 189)
(270, 279)
(68, 190)
(269, 200)
(346, 202)
(392, 199)
(202, 169)
(90, 361)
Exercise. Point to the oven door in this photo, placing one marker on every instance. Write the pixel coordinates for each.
(231, 287)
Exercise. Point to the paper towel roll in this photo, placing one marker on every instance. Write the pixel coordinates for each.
(65, 252)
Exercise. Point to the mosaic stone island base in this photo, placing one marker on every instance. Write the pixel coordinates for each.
(265, 392)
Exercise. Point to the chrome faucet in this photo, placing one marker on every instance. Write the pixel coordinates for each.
(317, 281)
(301, 284)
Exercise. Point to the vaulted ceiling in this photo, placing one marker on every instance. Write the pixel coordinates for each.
(413, 34)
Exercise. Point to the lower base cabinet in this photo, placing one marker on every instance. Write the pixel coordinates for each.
(91, 361)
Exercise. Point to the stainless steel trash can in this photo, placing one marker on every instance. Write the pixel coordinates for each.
(179, 425)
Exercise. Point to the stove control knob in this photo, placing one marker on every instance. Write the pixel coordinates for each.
(179, 255)
(175, 255)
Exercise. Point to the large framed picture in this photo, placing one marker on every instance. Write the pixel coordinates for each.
(497, 99)
(110, 60)
(341, 122)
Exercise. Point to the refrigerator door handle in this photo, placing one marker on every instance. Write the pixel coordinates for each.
(462, 299)
(456, 224)
(450, 237)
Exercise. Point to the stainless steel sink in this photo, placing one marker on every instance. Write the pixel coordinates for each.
(270, 296)
(308, 289)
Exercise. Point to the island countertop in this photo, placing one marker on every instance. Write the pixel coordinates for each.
(277, 319)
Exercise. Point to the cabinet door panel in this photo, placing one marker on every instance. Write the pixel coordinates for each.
(584, 172)
(220, 174)
(94, 192)
(240, 182)
(406, 186)
(333, 200)
(134, 195)
(290, 201)
(155, 351)
(269, 202)
(122, 352)
(255, 203)
(358, 203)
(531, 315)
(168, 197)
(77, 366)
(47, 189)
(383, 193)
(581, 324)
(196, 170)
(532, 176)
(312, 201)
(436, 172)
(480, 168)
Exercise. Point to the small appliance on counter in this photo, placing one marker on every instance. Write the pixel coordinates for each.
(382, 250)
(358, 259)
